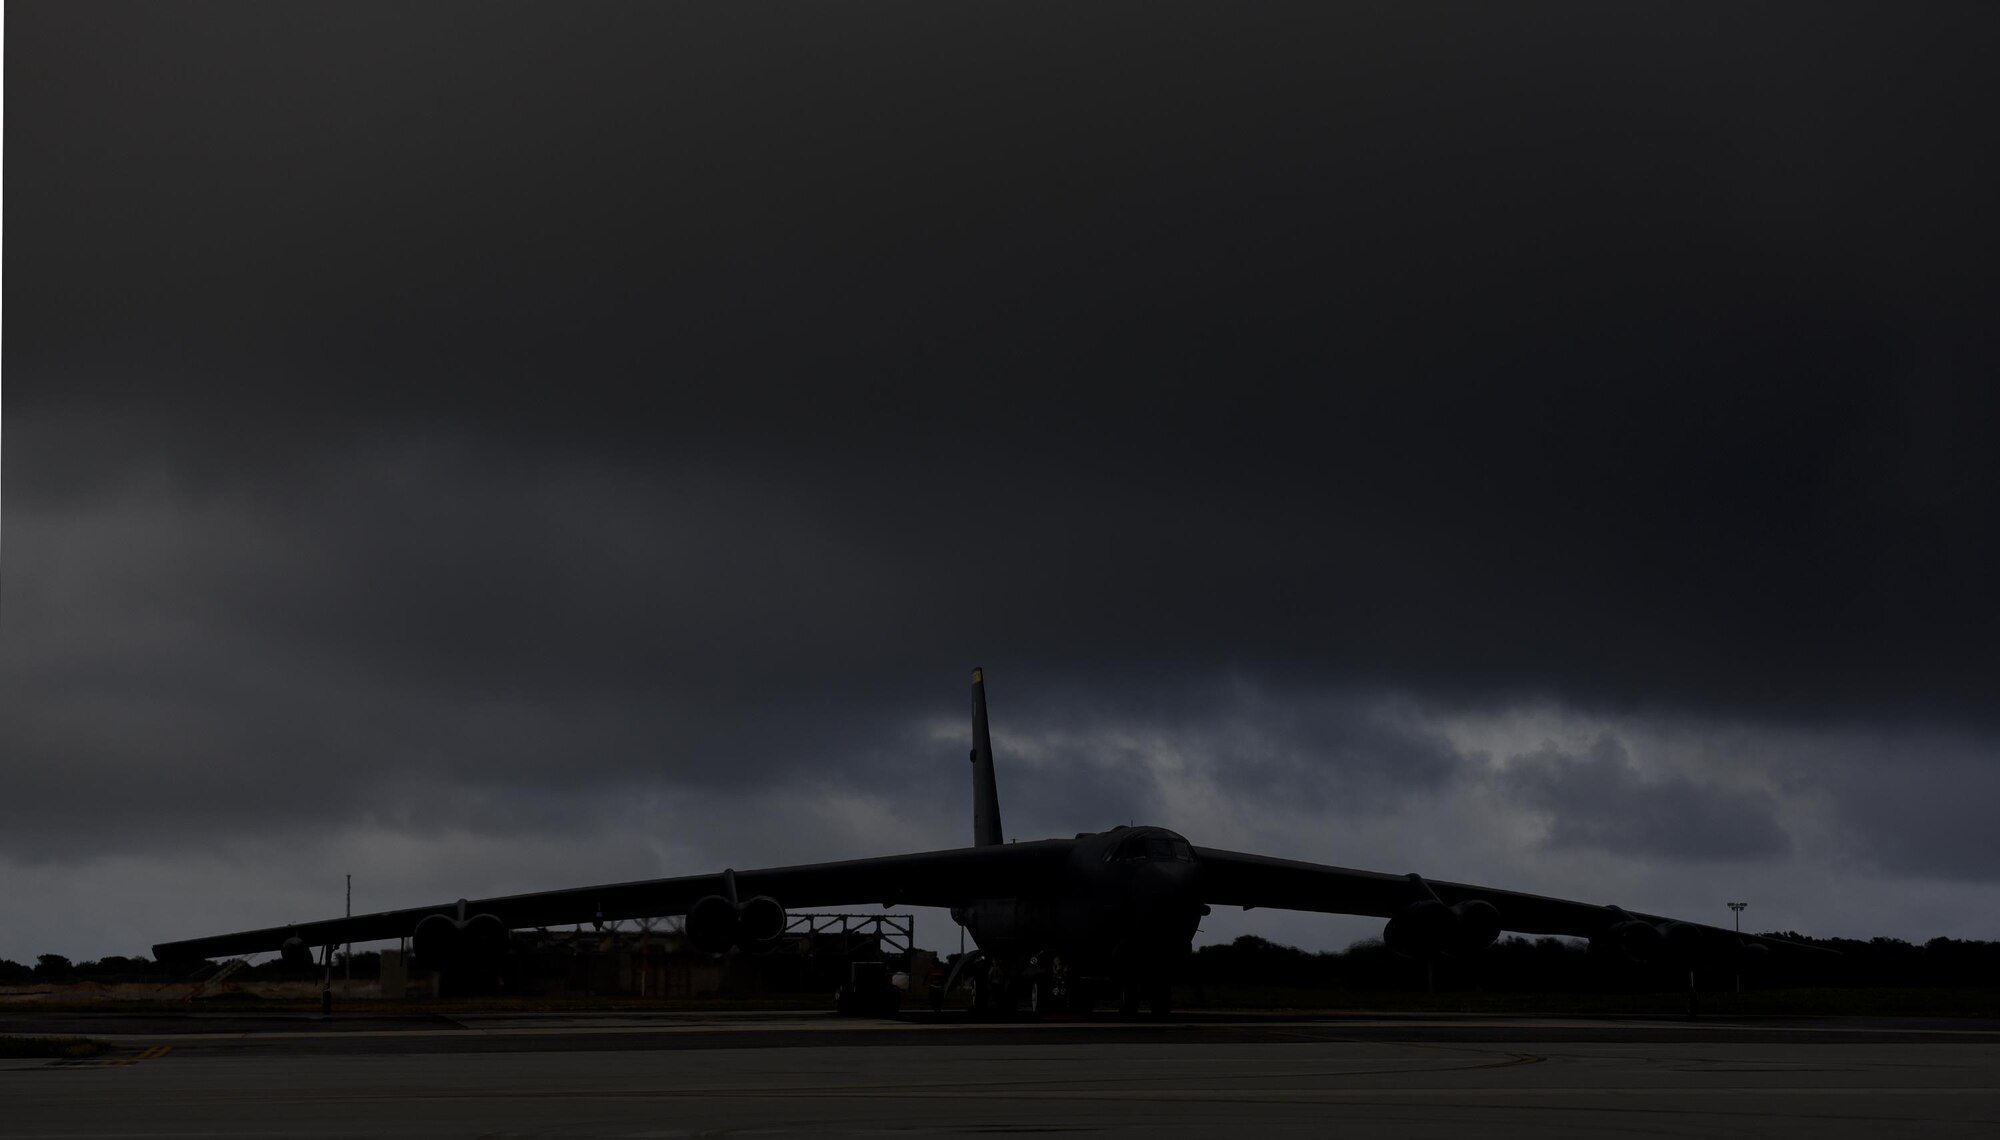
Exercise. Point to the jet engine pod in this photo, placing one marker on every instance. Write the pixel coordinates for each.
(1424, 929)
(1750, 957)
(713, 924)
(760, 920)
(437, 941)
(295, 952)
(442, 942)
(1639, 943)
(483, 937)
(1478, 927)
(1681, 940)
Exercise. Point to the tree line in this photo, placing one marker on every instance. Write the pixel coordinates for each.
(1558, 965)
(54, 969)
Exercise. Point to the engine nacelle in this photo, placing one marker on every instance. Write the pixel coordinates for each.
(1635, 942)
(295, 952)
(760, 920)
(1681, 942)
(715, 925)
(442, 942)
(1478, 927)
(1420, 930)
(1430, 929)
(1640, 943)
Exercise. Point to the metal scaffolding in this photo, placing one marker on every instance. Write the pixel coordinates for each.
(890, 934)
(839, 934)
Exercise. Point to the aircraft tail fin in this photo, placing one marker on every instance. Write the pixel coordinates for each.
(985, 794)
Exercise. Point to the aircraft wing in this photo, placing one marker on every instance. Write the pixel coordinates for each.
(929, 878)
(1232, 878)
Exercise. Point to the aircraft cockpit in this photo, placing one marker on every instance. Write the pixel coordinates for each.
(1154, 846)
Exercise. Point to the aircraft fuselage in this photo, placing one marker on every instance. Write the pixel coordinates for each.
(1124, 909)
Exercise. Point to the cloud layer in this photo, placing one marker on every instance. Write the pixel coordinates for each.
(492, 448)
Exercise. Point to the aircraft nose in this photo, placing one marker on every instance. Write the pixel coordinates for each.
(1166, 897)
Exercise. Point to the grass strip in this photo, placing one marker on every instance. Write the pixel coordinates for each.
(62, 1048)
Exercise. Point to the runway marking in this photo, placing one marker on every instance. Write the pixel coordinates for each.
(153, 1053)
(1511, 1060)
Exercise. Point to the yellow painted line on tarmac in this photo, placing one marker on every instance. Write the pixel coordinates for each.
(152, 1054)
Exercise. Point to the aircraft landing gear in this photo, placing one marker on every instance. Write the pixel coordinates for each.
(971, 968)
(1041, 996)
(1047, 983)
(991, 995)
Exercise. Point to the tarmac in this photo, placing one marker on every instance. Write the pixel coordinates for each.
(810, 1074)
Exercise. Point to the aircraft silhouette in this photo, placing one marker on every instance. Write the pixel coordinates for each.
(1055, 921)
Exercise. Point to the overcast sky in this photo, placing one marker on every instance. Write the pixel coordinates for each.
(488, 447)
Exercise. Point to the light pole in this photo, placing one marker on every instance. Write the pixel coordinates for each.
(1736, 909)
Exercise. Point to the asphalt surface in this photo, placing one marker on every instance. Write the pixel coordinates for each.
(810, 1074)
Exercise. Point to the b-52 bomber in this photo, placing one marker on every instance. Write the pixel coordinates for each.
(1056, 922)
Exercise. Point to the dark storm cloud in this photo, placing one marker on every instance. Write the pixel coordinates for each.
(237, 652)
(1597, 800)
(1486, 351)
(514, 409)
(1909, 803)
(1089, 755)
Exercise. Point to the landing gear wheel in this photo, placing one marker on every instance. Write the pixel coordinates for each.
(993, 995)
(1128, 1001)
